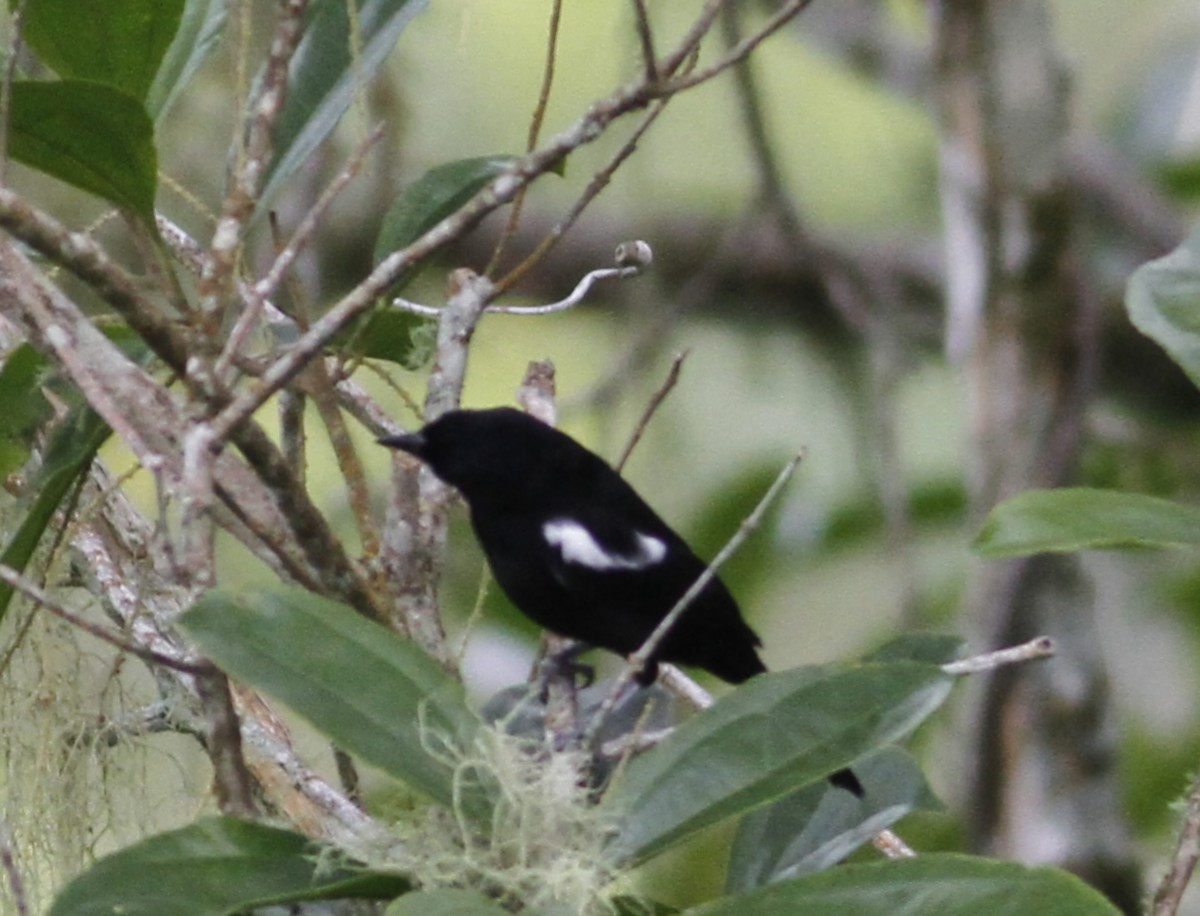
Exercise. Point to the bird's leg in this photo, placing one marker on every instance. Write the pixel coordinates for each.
(565, 664)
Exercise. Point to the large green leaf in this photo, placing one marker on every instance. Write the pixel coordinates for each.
(90, 135)
(216, 867)
(375, 694)
(433, 197)
(449, 902)
(1084, 519)
(772, 736)
(120, 42)
(929, 885)
(815, 828)
(1163, 300)
(327, 74)
(199, 28)
(68, 454)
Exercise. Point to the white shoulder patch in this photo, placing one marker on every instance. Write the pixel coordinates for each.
(578, 546)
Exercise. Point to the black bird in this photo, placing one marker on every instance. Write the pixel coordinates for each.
(577, 550)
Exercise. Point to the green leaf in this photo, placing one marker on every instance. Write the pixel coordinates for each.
(215, 867)
(199, 28)
(930, 885)
(120, 44)
(1083, 519)
(820, 825)
(430, 199)
(934, 648)
(326, 76)
(393, 335)
(445, 903)
(89, 135)
(773, 735)
(68, 454)
(22, 406)
(376, 695)
(1163, 301)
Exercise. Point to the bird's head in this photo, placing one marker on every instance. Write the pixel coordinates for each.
(486, 454)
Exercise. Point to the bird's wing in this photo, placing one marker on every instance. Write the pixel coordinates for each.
(583, 545)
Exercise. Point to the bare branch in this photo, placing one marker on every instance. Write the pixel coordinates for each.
(223, 740)
(655, 402)
(31, 590)
(535, 130)
(256, 297)
(638, 660)
(646, 40)
(1169, 894)
(739, 52)
(248, 176)
(1042, 647)
(892, 846)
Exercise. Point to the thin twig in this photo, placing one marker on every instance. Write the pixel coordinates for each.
(598, 183)
(687, 46)
(1042, 647)
(739, 52)
(497, 193)
(248, 177)
(264, 287)
(646, 40)
(1170, 890)
(892, 846)
(638, 660)
(535, 131)
(655, 402)
(29, 589)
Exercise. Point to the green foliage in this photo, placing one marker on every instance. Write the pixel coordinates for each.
(69, 453)
(934, 648)
(90, 135)
(330, 68)
(819, 826)
(1085, 519)
(390, 334)
(120, 44)
(775, 734)
(216, 867)
(376, 695)
(945, 885)
(1163, 301)
(199, 28)
(24, 406)
(444, 903)
(430, 199)
(382, 699)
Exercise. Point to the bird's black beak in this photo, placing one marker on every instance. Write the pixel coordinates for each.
(413, 443)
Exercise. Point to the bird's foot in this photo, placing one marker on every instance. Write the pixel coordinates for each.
(566, 666)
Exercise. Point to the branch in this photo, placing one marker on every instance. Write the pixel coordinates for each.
(656, 400)
(248, 176)
(638, 660)
(1042, 647)
(500, 191)
(30, 589)
(1169, 894)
